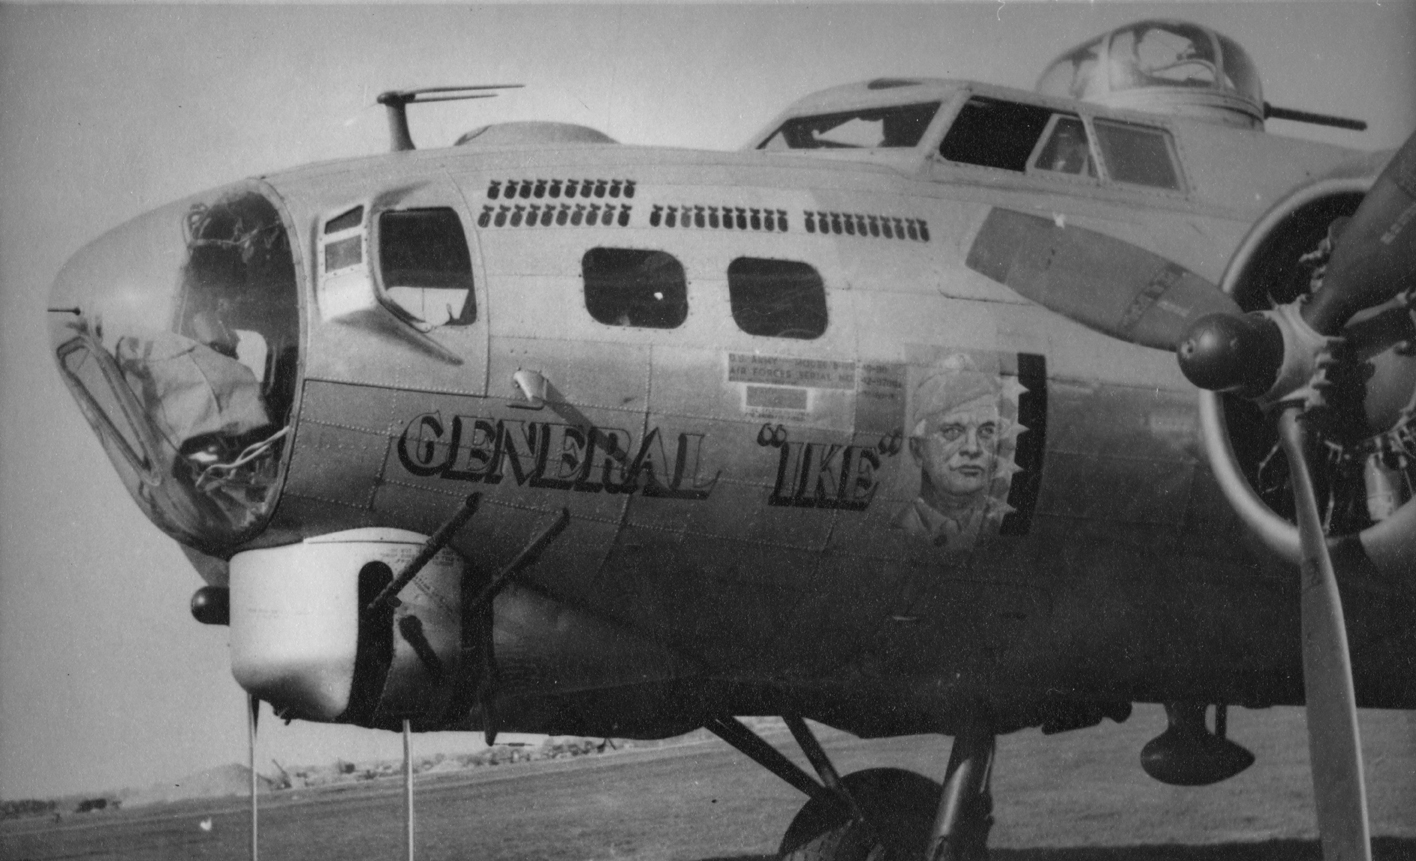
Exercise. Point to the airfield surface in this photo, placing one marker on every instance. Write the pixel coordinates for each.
(1079, 795)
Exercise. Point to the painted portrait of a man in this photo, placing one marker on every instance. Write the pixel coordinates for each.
(961, 423)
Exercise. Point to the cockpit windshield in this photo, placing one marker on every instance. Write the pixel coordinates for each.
(895, 126)
(180, 341)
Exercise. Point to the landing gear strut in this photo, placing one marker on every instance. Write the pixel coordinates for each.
(965, 813)
(881, 814)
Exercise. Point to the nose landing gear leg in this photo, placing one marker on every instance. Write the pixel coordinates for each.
(965, 813)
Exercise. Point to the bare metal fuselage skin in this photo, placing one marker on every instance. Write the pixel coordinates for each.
(748, 502)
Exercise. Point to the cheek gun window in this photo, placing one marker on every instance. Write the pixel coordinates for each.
(634, 287)
(425, 267)
(777, 298)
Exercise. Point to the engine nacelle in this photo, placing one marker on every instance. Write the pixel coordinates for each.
(302, 640)
(1379, 409)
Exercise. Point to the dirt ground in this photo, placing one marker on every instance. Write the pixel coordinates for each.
(1076, 796)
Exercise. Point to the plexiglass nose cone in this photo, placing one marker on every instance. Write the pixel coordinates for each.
(177, 333)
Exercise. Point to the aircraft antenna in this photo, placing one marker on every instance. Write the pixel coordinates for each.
(396, 103)
(1277, 113)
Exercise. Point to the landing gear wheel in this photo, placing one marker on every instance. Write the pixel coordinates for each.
(899, 806)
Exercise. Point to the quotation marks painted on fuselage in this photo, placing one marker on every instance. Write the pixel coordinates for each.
(871, 226)
(825, 475)
(554, 456)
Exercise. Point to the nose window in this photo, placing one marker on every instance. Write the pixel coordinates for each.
(102, 401)
(184, 357)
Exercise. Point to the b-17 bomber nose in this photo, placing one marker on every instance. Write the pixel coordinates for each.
(178, 334)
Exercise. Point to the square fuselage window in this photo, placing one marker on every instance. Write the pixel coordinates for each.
(634, 287)
(777, 298)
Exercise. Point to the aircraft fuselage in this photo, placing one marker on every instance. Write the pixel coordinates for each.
(813, 430)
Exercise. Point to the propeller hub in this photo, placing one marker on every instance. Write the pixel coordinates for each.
(1239, 353)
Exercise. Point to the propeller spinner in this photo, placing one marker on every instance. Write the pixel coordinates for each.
(1281, 359)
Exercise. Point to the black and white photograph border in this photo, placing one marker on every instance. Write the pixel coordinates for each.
(123, 733)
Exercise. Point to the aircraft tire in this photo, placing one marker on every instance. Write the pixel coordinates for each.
(846, 842)
(899, 804)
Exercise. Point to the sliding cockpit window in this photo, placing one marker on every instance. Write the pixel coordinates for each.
(895, 126)
(995, 133)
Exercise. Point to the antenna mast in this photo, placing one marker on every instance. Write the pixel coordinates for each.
(397, 101)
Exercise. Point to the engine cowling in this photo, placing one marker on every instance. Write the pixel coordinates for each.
(1368, 477)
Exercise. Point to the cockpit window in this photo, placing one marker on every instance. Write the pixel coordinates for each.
(1066, 149)
(995, 133)
(1140, 155)
(777, 298)
(425, 266)
(635, 287)
(866, 128)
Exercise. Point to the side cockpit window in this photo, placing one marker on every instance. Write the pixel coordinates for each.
(425, 267)
(1065, 148)
(1036, 140)
(1138, 155)
(777, 298)
(995, 133)
(635, 287)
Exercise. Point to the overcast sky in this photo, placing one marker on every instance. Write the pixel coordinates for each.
(105, 112)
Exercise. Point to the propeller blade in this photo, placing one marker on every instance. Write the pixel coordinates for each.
(1334, 746)
(1099, 281)
(1374, 258)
